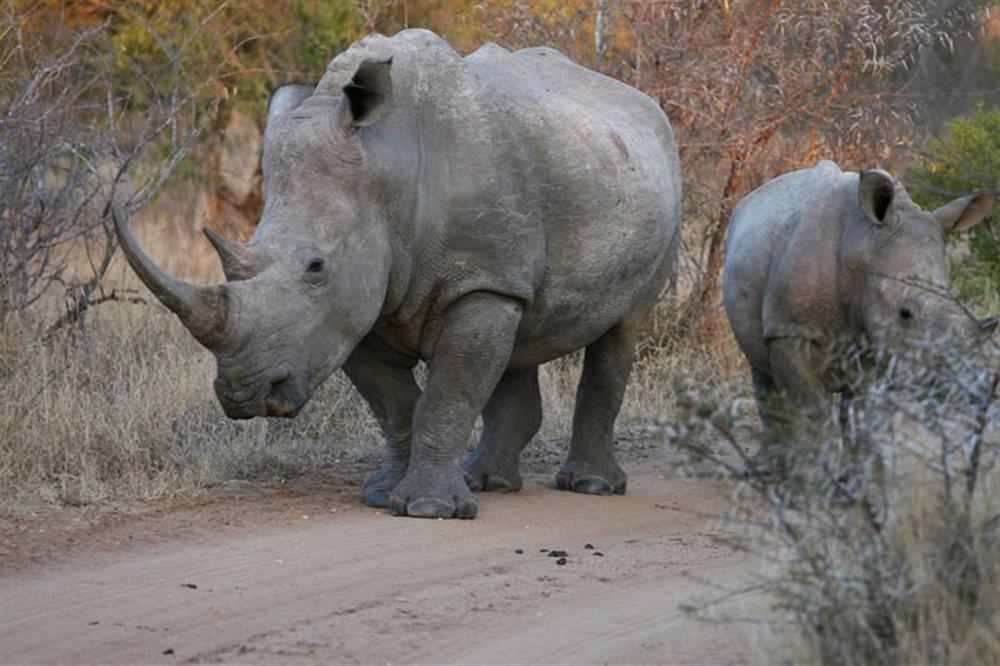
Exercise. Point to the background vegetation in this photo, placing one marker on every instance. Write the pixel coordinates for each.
(966, 158)
(157, 108)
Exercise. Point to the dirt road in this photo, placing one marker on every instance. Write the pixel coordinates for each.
(307, 575)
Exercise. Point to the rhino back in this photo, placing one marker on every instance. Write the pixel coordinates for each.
(602, 161)
(781, 270)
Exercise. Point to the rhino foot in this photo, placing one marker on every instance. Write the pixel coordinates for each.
(488, 475)
(376, 488)
(427, 492)
(591, 479)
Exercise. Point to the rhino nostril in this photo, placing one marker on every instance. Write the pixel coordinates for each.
(988, 324)
(281, 399)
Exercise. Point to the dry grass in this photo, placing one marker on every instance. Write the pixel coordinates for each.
(124, 409)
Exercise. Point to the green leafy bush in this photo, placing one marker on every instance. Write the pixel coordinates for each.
(967, 159)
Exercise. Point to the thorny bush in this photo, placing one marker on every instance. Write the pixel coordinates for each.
(886, 524)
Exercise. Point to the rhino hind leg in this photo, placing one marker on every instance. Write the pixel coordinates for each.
(386, 382)
(511, 418)
(763, 464)
(764, 390)
(469, 359)
(591, 466)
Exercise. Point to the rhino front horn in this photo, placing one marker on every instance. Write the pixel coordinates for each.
(201, 309)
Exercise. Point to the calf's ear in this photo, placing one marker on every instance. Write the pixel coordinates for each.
(964, 213)
(286, 99)
(876, 192)
(367, 95)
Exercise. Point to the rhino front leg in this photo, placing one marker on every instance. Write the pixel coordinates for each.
(796, 368)
(512, 417)
(384, 379)
(469, 358)
(591, 466)
(794, 386)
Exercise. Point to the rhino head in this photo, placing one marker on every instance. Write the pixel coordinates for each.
(900, 287)
(312, 280)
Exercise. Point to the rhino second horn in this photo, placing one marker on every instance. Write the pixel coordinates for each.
(202, 310)
(237, 260)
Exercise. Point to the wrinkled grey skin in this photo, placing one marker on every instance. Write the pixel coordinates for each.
(827, 253)
(486, 214)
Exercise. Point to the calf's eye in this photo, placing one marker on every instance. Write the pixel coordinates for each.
(315, 266)
(905, 314)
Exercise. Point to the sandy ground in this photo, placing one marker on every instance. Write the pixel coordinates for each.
(302, 573)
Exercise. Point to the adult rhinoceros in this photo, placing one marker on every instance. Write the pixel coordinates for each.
(486, 214)
(827, 253)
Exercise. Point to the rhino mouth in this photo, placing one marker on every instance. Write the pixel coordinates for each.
(281, 395)
(237, 409)
(273, 405)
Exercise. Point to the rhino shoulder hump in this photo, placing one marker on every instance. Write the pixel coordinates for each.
(827, 166)
(487, 50)
(421, 38)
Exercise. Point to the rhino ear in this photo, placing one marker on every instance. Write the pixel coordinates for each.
(876, 192)
(367, 95)
(965, 213)
(286, 99)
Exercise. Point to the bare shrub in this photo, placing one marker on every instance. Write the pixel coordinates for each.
(885, 529)
(72, 144)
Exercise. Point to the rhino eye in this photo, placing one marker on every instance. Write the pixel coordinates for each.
(906, 314)
(315, 266)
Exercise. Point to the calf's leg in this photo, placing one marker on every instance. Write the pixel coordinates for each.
(767, 396)
(794, 387)
(764, 391)
(797, 369)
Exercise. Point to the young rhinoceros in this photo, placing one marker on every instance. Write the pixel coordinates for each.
(832, 253)
(486, 214)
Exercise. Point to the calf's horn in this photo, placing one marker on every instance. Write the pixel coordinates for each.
(201, 309)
